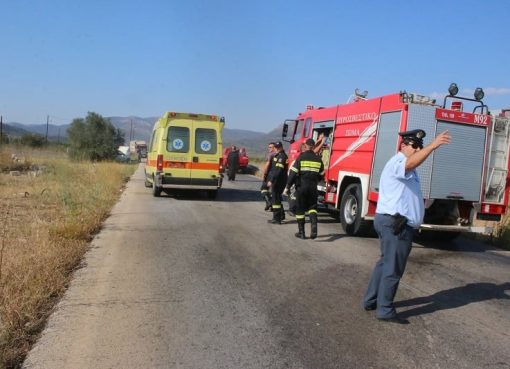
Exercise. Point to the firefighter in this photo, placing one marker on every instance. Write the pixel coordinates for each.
(400, 210)
(232, 163)
(291, 192)
(276, 181)
(305, 173)
(264, 189)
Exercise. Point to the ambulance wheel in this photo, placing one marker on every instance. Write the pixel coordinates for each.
(156, 191)
(148, 184)
(350, 212)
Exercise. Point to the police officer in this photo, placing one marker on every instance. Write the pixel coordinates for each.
(400, 209)
(264, 189)
(276, 181)
(305, 173)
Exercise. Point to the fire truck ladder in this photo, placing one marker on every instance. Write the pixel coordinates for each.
(498, 160)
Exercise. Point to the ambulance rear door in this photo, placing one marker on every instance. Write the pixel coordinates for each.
(206, 152)
(177, 165)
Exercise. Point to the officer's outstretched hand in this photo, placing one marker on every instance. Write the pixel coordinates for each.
(443, 138)
(286, 191)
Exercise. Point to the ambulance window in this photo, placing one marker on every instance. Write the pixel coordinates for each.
(178, 139)
(299, 130)
(205, 141)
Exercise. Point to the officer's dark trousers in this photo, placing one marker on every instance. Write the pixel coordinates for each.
(306, 196)
(266, 193)
(306, 199)
(389, 269)
(276, 198)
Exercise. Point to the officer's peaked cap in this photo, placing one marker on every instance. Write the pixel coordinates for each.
(278, 144)
(416, 135)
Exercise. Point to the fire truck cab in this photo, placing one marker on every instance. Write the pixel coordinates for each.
(465, 184)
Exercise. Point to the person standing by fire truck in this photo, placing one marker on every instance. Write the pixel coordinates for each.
(305, 173)
(276, 181)
(232, 163)
(264, 189)
(400, 210)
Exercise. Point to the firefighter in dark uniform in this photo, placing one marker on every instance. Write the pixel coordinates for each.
(305, 173)
(276, 181)
(264, 189)
(232, 163)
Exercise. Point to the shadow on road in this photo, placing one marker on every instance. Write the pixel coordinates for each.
(454, 298)
(461, 243)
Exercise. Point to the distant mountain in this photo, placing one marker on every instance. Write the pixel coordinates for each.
(136, 128)
(13, 129)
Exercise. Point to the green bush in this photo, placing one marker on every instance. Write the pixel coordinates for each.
(94, 138)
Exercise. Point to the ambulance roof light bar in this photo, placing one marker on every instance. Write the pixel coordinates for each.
(453, 90)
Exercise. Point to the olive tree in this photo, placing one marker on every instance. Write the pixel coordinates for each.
(93, 138)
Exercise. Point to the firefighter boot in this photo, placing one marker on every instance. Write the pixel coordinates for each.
(277, 216)
(313, 222)
(301, 229)
(282, 216)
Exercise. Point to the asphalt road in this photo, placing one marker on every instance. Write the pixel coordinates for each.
(187, 282)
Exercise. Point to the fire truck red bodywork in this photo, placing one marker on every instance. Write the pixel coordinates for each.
(456, 179)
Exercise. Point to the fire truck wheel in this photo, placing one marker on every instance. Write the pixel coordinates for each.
(350, 212)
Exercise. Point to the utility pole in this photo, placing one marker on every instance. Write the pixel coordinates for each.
(47, 125)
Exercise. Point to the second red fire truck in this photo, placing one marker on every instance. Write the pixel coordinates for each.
(464, 184)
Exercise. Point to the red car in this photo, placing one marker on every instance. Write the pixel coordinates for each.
(243, 159)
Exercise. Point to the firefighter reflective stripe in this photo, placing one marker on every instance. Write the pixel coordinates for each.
(294, 169)
(300, 216)
(276, 206)
(312, 211)
(280, 165)
(310, 166)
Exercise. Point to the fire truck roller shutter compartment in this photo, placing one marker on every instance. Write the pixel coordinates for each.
(423, 117)
(458, 167)
(387, 141)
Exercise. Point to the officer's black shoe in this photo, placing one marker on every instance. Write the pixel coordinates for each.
(370, 307)
(300, 235)
(274, 221)
(268, 207)
(394, 319)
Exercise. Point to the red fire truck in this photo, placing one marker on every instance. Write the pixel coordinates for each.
(465, 184)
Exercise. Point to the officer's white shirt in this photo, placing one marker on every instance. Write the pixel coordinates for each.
(400, 192)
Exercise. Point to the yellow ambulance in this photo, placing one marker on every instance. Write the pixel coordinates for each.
(185, 152)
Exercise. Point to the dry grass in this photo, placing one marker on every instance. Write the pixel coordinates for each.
(47, 220)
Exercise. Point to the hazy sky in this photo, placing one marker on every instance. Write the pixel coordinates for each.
(255, 62)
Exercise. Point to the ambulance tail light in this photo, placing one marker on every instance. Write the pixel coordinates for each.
(159, 163)
(221, 168)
